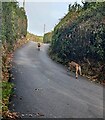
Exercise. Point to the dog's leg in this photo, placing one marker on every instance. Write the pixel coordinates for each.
(80, 70)
(76, 72)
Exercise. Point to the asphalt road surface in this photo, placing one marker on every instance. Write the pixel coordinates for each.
(44, 89)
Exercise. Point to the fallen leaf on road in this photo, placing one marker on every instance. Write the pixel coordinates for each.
(40, 114)
(22, 115)
(20, 98)
(36, 89)
(30, 115)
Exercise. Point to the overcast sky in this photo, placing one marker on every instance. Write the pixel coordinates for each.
(48, 13)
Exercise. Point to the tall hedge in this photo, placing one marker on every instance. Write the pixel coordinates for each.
(34, 38)
(14, 22)
(47, 37)
(80, 35)
(13, 28)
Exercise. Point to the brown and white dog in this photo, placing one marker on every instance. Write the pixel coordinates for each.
(76, 66)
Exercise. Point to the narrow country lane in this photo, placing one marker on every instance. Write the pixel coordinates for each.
(44, 89)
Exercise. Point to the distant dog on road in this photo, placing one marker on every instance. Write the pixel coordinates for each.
(39, 45)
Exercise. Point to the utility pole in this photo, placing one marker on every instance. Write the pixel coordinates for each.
(44, 28)
(24, 4)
